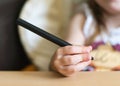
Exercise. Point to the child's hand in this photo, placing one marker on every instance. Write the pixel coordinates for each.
(69, 60)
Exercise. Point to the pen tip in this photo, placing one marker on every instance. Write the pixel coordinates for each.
(92, 58)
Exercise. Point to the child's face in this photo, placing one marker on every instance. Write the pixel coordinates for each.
(110, 6)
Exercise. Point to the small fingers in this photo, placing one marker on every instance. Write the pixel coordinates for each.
(74, 59)
(74, 50)
(82, 65)
(72, 69)
(70, 59)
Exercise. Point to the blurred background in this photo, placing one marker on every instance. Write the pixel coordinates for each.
(12, 56)
(17, 46)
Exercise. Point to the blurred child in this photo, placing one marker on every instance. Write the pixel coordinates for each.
(96, 26)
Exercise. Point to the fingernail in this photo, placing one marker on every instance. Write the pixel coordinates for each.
(89, 49)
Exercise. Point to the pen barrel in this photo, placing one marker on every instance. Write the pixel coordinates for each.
(42, 33)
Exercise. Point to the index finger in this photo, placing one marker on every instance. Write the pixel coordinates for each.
(69, 50)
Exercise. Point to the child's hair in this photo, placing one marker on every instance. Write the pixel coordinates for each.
(98, 15)
(97, 12)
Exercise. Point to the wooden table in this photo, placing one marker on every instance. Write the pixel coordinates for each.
(54, 79)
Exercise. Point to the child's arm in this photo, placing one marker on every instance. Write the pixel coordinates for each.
(74, 32)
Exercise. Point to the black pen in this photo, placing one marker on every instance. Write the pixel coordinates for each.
(43, 33)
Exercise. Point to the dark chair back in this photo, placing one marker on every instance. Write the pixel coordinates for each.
(12, 55)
